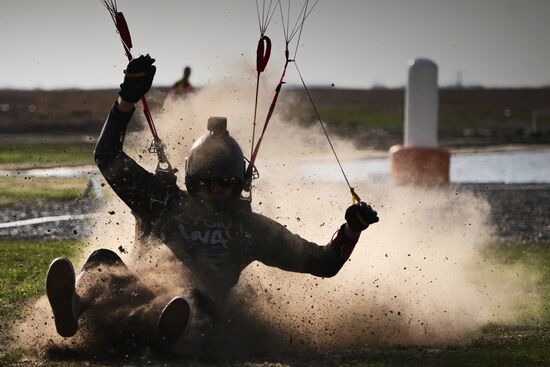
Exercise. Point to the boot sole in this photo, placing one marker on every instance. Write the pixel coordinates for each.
(60, 289)
(174, 320)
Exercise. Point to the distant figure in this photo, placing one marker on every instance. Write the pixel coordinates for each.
(183, 86)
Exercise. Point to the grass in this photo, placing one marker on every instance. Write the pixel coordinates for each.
(46, 154)
(527, 353)
(15, 189)
(536, 258)
(393, 118)
(24, 264)
(363, 117)
(23, 267)
(356, 116)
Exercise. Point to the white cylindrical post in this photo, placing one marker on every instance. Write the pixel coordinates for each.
(421, 102)
(419, 161)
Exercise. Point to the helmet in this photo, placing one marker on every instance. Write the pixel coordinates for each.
(215, 155)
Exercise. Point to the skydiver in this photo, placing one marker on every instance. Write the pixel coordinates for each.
(210, 234)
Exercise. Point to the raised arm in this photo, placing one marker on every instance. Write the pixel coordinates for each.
(137, 187)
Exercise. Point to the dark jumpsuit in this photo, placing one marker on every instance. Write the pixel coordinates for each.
(213, 245)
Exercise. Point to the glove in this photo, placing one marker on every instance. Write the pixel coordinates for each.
(138, 78)
(359, 216)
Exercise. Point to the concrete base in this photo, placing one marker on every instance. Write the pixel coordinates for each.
(419, 166)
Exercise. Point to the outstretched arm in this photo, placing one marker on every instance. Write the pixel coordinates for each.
(290, 252)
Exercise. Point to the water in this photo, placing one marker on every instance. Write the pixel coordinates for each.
(52, 172)
(522, 166)
(525, 166)
(509, 167)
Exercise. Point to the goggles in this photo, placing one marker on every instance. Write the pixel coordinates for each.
(220, 181)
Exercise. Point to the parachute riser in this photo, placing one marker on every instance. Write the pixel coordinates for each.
(248, 174)
(124, 32)
(263, 49)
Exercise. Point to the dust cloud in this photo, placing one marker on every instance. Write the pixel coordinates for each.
(413, 279)
(410, 280)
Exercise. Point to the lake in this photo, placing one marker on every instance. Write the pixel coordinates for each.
(518, 166)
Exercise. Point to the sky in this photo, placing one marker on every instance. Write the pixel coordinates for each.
(53, 44)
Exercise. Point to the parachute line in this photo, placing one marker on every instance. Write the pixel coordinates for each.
(323, 127)
(297, 23)
(262, 53)
(304, 13)
(111, 7)
(289, 34)
(267, 14)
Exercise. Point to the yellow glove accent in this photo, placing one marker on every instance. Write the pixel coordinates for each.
(354, 196)
(134, 75)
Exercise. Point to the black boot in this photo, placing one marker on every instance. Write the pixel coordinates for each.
(60, 289)
(173, 321)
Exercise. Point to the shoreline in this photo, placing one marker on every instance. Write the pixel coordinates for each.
(325, 157)
(376, 153)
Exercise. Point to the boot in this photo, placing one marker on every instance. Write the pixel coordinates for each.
(173, 321)
(60, 289)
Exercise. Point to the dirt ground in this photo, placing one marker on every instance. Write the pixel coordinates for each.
(521, 212)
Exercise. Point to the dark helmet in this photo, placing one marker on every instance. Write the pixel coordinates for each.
(215, 155)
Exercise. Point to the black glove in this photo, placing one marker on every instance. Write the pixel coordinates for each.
(359, 216)
(138, 78)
